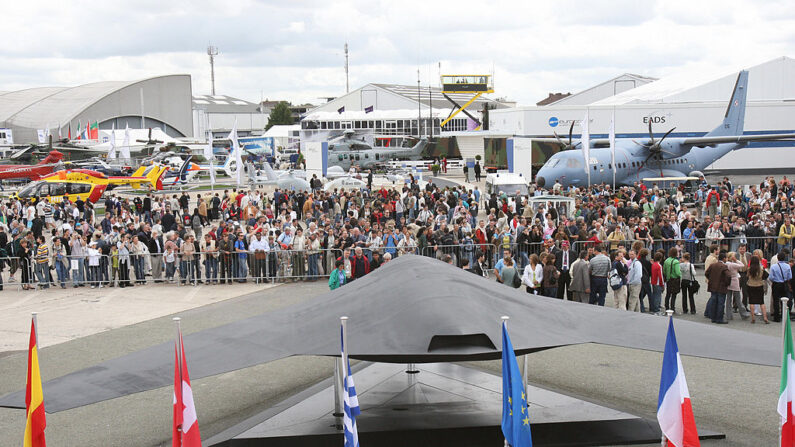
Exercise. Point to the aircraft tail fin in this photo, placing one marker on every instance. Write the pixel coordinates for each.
(155, 176)
(734, 119)
(269, 174)
(419, 148)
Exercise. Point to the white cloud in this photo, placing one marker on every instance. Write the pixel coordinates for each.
(294, 50)
(296, 27)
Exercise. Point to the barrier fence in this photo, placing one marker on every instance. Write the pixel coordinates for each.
(292, 265)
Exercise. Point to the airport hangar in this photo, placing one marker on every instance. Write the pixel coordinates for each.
(161, 101)
(693, 103)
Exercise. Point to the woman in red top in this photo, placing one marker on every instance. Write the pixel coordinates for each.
(657, 283)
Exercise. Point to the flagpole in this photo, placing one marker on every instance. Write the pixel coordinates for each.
(670, 314)
(784, 314)
(177, 321)
(504, 321)
(35, 316)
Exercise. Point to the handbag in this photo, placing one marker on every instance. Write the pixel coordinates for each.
(694, 284)
(517, 280)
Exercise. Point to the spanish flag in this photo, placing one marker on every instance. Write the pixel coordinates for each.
(34, 398)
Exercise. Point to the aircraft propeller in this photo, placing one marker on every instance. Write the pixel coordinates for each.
(569, 145)
(149, 139)
(654, 147)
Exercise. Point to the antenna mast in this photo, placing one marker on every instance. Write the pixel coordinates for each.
(347, 84)
(212, 51)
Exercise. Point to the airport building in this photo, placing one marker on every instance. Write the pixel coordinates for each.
(161, 101)
(385, 111)
(691, 102)
(220, 112)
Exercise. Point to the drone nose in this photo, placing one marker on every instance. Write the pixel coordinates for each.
(540, 181)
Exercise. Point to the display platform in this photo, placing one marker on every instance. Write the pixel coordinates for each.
(443, 404)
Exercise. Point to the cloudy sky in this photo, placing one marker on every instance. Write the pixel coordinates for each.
(293, 49)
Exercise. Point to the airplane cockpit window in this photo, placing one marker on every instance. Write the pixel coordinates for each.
(573, 163)
(29, 190)
(554, 162)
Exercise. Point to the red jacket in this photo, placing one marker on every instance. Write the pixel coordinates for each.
(353, 266)
(656, 274)
(713, 195)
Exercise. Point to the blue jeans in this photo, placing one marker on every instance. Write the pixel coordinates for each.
(598, 290)
(138, 267)
(79, 275)
(242, 270)
(60, 270)
(185, 271)
(312, 261)
(42, 272)
(211, 269)
(715, 306)
(656, 297)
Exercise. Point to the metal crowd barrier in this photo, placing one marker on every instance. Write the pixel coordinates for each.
(292, 265)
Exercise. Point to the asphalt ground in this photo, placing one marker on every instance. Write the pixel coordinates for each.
(737, 399)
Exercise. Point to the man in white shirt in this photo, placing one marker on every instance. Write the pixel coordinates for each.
(260, 248)
(634, 277)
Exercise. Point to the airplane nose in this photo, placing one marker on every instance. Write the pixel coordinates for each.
(540, 181)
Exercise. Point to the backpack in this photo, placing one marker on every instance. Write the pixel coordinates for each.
(517, 279)
(615, 280)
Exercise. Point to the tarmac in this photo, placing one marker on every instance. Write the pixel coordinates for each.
(79, 328)
(734, 398)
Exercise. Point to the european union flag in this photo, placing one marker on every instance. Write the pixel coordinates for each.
(515, 417)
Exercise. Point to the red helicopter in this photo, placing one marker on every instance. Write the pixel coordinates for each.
(31, 172)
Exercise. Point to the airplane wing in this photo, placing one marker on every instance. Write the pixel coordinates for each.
(704, 141)
(595, 142)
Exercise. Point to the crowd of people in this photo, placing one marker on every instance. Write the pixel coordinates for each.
(642, 243)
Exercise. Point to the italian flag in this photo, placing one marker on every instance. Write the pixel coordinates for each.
(787, 390)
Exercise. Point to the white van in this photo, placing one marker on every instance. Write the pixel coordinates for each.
(506, 182)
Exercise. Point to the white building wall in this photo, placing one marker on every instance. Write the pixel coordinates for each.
(693, 119)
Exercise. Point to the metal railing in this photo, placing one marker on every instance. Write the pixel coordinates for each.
(228, 267)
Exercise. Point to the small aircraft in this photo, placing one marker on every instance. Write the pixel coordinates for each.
(87, 185)
(347, 151)
(32, 172)
(655, 157)
(350, 183)
(267, 177)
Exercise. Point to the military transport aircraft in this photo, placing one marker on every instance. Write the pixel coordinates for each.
(655, 157)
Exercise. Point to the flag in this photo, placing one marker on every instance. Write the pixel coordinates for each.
(515, 414)
(612, 137)
(341, 109)
(787, 390)
(186, 427)
(350, 401)
(41, 136)
(674, 412)
(69, 134)
(208, 154)
(125, 145)
(93, 133)
(237, 153)
(79, 125)
(34, 397)
(112, 150)
(59, 132)
(47, 132)
(366, 109)
(585, 139)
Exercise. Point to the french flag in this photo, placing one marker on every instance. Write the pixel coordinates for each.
(674, 412)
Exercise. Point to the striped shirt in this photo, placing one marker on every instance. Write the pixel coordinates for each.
(42, 254)
(600, 265)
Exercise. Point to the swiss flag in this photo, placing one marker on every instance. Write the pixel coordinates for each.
(186, 426)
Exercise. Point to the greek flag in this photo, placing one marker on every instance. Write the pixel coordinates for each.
(350, 401)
